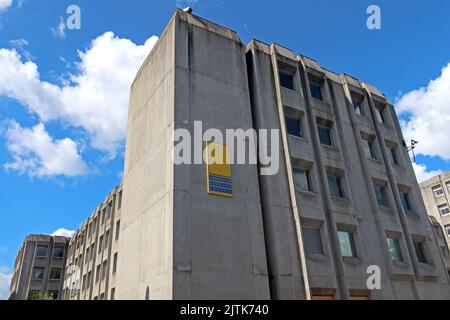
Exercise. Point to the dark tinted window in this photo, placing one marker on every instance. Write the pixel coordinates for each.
(286, 80)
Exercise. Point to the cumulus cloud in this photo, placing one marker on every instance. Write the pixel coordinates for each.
(5, 4)
(427, 111)
(60, 30)
(63, 233)
(37, 154)
(94, 99)
(422, 172)
(5, 280)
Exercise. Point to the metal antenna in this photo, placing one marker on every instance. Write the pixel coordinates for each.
(411, 149)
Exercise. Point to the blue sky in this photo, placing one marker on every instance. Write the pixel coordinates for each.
(60, 154)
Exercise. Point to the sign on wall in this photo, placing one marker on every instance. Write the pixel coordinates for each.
(218, 170)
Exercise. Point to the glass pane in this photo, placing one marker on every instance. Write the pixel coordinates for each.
(41, 251)
(335, 186)
(325, 135)
(394, 250)
(394, 157)
(347, 244)
(301, 179)
(357, 105)
(420, 252)
(316, 91)
(313, 240)
(293, 127)
(405, 201)
(381, 196)
(367, 151)
(286, 80)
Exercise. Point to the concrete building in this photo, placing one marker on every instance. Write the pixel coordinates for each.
(345, 197)
(436, 195)
(39, 267)
(93, 253)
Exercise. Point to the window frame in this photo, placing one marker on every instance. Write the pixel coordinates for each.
(398, 257)
(351, 242)
(330, 134)
(295, 170)
(339, 184)
(290, 80)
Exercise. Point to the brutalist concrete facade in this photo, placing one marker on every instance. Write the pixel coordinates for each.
(39, 267)
(178, 242)
(93, 253)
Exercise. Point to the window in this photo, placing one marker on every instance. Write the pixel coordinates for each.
(302, 180)
(369, 149)
(394, 249)
(88, 281)
(113, 294)
(117, 229)
(55, 274)
(419, 247)
(119, 205)
(325, 135)
(102, 218)
(84, 283)
(58, 252)
(87, 255)
(115, 263)
(97, 273)
(406, 202)
(448, 186)
(380, 193)
(316, 90)
(105, 266)
(100, 244)
(335, 186)
(294, 126)
(41, 251)
(444, 210)
(286, 80)
(447, 229)
(379, 111)
(358, 106)
(38, 273)
(102, 296)
(106, 239)
(313, 241)
(347, 244)
(438, 191)
(445, 252)
(394, 157)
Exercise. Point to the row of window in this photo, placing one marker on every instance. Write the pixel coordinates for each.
(294, 127)
(313, 245)
(316, 87)
(42, 251)
(103, 295)
(37, 274)
(302, 182)
(438, 190)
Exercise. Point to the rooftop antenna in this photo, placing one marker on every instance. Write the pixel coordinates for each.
(188, 10)
(411, 149)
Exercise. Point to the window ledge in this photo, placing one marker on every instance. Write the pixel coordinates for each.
(317, 257)
(306, 193)
(297, 137)
(374, 160)
(386, 209)
(402, 265)
(332, 148)
(339, 199)
(353, 261)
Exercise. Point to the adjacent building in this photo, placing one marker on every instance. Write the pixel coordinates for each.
(93, 253)
(344, 200)
(436, 195)
(39, 267)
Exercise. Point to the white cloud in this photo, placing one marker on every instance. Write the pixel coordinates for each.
(5, 4)
(5, 280)
(422, 172)
(96, 99)
(63, 233)
(37, 154)
(59, 31)
(428, 110)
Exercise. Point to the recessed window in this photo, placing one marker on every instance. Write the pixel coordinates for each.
(316, 90)
(394, 249)
(325, 136)
(369, 148)
(438, 191)
(294, 126)
(406, 201)
(37, 273)
(117, 230)
(335, 186)
(358, 106)
(113, 294)
(447, 230)
(100, 244)
(444, 210)
(286, 80)
(313, 241)
(302, 179)
(419, 247)
(119, 205)
(380, 193)
(347, 244)
(55, 274)
(41, 251)
(97, 273)
(106, 239)
(115, 263)
(105, 266)
(394, 157)
(380, 114)
(58, 252)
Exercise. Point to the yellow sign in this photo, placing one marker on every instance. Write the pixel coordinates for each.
(218, 170)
